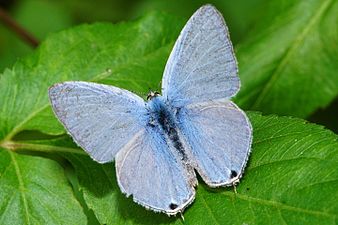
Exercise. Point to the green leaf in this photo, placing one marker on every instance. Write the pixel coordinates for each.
(35, 191)
(291, 178)
(290, 66)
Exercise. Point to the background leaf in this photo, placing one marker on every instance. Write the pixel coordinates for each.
(35, 191)
(290, 66)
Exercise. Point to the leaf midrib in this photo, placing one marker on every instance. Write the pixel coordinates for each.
(21, 185)
(37, 147)
(286, 58)
(277, 205)
(210, 211)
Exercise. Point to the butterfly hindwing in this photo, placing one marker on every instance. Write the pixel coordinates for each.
(219, 138)
(148, 169)
(100, 118)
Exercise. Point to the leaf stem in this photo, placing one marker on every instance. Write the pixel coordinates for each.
(20, 146)
(7, 20)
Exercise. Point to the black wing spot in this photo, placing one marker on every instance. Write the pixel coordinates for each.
(173, 206)
(233, 174)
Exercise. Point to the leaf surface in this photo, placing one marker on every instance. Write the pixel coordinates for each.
(290, 66)
(34, 190)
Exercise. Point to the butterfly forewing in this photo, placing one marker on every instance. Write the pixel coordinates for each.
(100, 118)
(202, 65)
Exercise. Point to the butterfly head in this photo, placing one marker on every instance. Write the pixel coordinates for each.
(152, 94)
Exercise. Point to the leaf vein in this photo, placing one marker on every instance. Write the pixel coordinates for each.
(279, 205)
(209, 210)
(21, 186)
(290, 51)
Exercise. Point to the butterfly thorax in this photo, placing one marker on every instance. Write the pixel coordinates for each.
(163, 117)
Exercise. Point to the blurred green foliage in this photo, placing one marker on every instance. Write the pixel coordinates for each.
(41, 17)
(38, 17)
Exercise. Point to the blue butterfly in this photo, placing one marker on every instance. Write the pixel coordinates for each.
(159, 144)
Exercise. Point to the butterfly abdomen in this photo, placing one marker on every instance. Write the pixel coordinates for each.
(161, 117)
